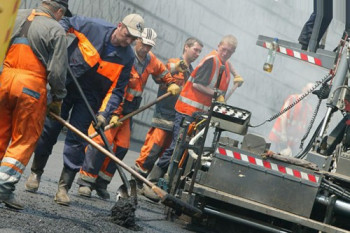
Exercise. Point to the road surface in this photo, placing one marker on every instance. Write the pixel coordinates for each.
(42, 214)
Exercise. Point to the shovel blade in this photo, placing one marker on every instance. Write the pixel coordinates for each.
(123, 191)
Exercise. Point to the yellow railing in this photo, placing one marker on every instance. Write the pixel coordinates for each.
(8, 12)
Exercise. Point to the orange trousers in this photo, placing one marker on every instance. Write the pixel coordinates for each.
(96, 163)
(22, 111)
(157, 140)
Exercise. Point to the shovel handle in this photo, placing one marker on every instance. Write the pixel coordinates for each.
(160, 98)
(166, 198)
(102, 150)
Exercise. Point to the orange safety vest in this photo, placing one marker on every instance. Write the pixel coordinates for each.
(295, 119)
(191, 100)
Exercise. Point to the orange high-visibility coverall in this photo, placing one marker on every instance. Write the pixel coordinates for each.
(22, 107)
(159, 136)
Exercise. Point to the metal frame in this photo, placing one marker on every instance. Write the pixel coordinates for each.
(263, 209)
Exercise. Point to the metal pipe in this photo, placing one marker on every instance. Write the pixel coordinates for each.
(193, 141)
(340, 77)
(340, 206)
(325, 122)
(244, 221)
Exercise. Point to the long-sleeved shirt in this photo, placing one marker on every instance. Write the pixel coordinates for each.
(97, 33)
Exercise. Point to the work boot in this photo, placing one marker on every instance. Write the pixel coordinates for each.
(11, 201)
(84, 191)
(32, 184)
(64, 184)
(156, 173)
(38, 165)
(101, 188)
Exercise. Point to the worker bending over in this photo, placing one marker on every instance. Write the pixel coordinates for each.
(101, 59)
(97, 170)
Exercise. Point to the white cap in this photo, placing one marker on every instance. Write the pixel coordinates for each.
(134, 23)
(149, 37)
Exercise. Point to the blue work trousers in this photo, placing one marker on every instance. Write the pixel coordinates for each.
(80, 118)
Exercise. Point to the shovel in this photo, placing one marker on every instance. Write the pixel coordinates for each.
(160, 98)
(167, 199)
(103, 136)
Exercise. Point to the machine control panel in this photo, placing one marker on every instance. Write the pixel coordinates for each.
(231, 118)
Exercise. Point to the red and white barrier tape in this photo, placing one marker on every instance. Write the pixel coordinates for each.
(295, 54)
(268, 165)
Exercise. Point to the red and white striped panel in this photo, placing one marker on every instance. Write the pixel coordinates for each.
(268, 165)
(295, 54)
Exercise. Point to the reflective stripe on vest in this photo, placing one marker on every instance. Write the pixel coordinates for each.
(200, 101)
(193, 103)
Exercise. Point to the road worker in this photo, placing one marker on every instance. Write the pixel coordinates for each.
(101, 59)
(145, 64)
(289, 128)
(159, 135)
(196, 96)
(37, 55)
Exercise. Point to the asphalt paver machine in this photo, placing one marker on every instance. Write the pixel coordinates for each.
(242, 182)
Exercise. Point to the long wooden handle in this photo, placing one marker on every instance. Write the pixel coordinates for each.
(102, 150)
(160, 98)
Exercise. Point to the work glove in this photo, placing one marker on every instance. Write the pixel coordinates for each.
(101, 122)
(238, 79)
(286, 152)
(54, 107)
(174, 89)
(115, 121)
(181, 66)
(220, 99)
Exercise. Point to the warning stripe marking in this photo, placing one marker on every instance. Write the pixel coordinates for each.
(296, 54)
(268, 165)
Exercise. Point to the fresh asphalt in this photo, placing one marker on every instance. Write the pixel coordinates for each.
(42, 214)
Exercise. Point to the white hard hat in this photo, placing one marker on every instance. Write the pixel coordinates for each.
(149, 37)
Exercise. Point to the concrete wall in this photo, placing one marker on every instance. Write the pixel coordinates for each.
(174, 21)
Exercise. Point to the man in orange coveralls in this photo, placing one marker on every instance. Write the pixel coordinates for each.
(37, 56)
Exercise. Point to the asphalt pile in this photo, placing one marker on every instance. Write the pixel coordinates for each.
(123, 213)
